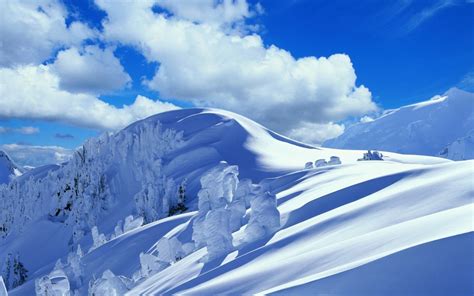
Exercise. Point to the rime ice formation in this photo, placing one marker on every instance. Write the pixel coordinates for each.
(264, 217)
(109, 284)
(212, 226)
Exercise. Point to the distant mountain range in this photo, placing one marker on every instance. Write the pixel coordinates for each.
(442, 126)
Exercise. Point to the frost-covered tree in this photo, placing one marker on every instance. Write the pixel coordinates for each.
(109, 284)
(180, 207)
(212, 225)
(79, 192)
(56, 283)
(264, 217)
(14, 272)
(7, 271)
(3, 288)
(75, 265)
(132, 223)
(20, 272)
(98, 239)
(372, 155)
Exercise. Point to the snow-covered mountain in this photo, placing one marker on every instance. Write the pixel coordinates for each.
(8, 169)
(461, 149)
(206, 202)
(425, 128)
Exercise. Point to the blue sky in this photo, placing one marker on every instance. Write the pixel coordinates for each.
(401, 52)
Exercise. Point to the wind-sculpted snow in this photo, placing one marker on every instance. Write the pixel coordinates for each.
(426, 128)
(208, 202)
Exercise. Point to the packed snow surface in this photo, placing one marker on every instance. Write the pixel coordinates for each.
(207, 202)
(442, 126)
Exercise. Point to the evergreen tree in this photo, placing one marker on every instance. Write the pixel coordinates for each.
(180, 207)
(20, 272)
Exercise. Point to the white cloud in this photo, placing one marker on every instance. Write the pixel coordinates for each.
(208, 11)
(209, 67)
(34, 92)
(428, 12)
(25, 130)
(366, 119)
(316, 133)
(35, 156)
(31, 30)
(90, 70)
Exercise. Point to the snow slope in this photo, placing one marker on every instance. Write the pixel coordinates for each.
(425, 128)
(334, 219)
(8, 169)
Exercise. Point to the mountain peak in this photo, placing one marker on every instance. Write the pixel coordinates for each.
(424, 128)
(8, 169)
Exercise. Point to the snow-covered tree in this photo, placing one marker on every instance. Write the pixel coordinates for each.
(132, 223)
(98, 239)
(14, 272)
(3, 288)
(320, 163)
(109, 284)
(334, 160)
(212, 226)
(75, 265)
(82, 190)
(264, 217)
(7, 271)
(180, 207)
(56, 283)
(20, 272)
(372, 155)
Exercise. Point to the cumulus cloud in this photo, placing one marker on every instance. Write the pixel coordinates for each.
(91, 70)
(208, 11)
(209, 67)
(25, 130)
(31, 30)
(34, 92)
(316, 133)
(35, 156)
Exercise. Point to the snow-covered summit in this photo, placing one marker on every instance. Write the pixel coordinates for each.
(8, 169)
(204, 202)
(424, 128)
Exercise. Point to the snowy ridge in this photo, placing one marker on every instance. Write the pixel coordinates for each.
(425, 128)
(203, 201)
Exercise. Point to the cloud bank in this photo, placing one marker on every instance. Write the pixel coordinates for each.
(35, 156)
(34, 92)
(201, 63)
(207, 55)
